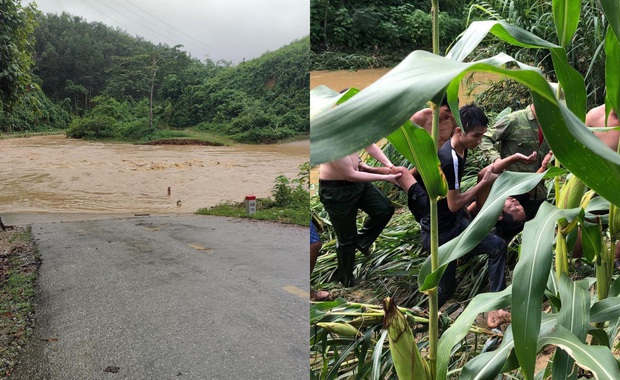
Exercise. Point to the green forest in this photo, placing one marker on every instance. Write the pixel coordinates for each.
(97, 82)
(348, 35)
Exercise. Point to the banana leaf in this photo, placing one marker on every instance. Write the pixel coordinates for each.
(597, 359)
(530, 278)
(575, 316)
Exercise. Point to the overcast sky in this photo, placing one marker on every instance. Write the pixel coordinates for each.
(216, 29)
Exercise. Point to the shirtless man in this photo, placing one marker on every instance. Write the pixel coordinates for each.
(344, 187)
(447, 124)
(596, 118)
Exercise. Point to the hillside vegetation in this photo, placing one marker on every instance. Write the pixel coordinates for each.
(101, 83)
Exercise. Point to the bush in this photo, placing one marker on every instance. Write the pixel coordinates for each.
(134, 130)
(99, 127)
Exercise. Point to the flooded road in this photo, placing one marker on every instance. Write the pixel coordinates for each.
(54, 174)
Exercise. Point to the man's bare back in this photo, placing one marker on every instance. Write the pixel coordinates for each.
(596, 118)
(447, 124)
(330, 171)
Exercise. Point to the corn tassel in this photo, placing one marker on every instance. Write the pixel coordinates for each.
(407, 359)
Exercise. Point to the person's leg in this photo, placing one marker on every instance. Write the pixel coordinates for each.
(379, 209)
(341, 203)
(447, 284)
(496, 249)
(417, 201)
(315, 246)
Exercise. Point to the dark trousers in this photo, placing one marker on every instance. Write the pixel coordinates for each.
(341, 200)
(492, 245)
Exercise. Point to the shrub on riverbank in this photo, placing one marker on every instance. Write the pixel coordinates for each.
(289, 202)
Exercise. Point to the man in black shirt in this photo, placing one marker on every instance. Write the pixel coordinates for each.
(452, 215)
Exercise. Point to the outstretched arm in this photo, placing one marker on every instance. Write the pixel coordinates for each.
(347, 172)
(503, 163)
(458, 200)
(377, 153)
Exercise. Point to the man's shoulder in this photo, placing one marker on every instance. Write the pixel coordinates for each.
(446, 149)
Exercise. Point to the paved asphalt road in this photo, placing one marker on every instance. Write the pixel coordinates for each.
(170, 297)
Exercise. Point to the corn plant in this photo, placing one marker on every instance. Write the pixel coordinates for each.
(383, 110)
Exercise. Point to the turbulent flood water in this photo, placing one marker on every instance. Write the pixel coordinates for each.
(54, 174)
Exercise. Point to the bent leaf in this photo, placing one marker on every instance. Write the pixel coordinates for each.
(508, 183)
(605, 310)
(597, 359)
(417, 146)
(490, 364)
(575, 316)
(530, 278)
(460, 328)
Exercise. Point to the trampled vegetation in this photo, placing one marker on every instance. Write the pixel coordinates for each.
(552, 306)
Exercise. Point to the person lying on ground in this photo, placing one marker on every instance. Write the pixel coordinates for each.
(452, 214)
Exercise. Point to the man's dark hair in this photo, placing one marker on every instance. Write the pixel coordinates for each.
(472, 116)
(444, 101)
(508, 227)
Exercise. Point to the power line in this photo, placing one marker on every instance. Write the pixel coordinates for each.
(172, 41)
(172, 27)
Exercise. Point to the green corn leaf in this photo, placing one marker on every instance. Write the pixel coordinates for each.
(611, 8)
(572, 82)
(574, 315)
(508, 183)
(376, 356)
(566, 17)
(460, 328)
(597, 359)
(530, 278)
(490, 364)
(592, 240)
(605, 310)
(416, 145)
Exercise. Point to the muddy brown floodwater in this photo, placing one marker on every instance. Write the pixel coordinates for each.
(360, 79)
(54, 174)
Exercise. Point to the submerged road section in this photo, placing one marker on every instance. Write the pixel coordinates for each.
(170, 297)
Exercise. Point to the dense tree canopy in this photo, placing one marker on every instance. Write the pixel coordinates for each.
(16, 25)
(122, 87)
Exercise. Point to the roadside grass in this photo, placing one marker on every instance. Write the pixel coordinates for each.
(289, 202)
(266, 209)
(19, 261)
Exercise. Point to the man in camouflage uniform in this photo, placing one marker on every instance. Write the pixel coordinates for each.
(519, 132)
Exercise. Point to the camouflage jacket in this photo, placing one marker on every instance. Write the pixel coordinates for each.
(516, 132)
